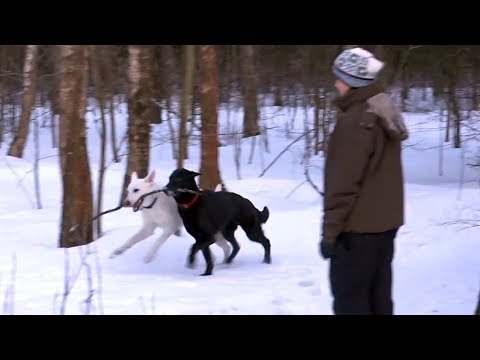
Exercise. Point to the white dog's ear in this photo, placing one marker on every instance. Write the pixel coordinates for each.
(134, 175)
(150, 177)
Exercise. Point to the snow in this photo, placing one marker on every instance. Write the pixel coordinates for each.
(436, 266)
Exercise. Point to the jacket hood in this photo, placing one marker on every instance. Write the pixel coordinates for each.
(380, 103)
(391, 119)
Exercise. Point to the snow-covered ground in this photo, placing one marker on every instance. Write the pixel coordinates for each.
(436, 267)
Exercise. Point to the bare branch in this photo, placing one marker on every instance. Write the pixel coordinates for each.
(282, 152)
(90, 291)
(153, 304)
(99, 282)
(46, 157)
(66, 281)
(310, 181)
(54, 304)
(69, 283)
(9, 300)
(295, 189)
(308, 153)
(142, 305)
(19, 182)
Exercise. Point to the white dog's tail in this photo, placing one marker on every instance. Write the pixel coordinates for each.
(220, 187)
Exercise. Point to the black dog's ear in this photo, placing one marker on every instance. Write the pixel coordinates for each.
(194, 174)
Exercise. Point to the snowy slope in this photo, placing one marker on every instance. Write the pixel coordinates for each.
(436, 266)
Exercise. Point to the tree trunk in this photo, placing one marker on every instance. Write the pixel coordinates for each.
(113, 131)
(53, 133)
(29, 89)
(405, 88)
(458, 136)
(155, 111)
(53, 95)
(100, 93)
(327, 117)
(455, 111)
(2, 118)
(173, 136)
(208, 85)
(36, 161)
(317, 119)
(380, 53)
(13, 113)
(447, 127)
(474, 84)
(250, 119)
(278, 95)
(168, 63)
(189, 62)
(139, 100)
(77, 188)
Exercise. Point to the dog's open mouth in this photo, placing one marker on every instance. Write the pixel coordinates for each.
(137, 204)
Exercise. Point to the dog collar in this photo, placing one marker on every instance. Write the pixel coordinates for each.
(190, 203)
(151, 205)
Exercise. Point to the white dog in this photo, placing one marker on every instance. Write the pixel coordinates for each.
(158, 210)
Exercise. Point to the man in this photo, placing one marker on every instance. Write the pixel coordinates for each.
(364, 196)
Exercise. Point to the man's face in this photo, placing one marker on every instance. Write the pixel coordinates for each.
(341, 87)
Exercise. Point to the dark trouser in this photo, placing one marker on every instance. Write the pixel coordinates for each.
(361, 274)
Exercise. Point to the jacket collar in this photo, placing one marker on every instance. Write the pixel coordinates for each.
(357, 95)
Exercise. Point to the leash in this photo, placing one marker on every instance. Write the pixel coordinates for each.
(75, 227)
(141, 198)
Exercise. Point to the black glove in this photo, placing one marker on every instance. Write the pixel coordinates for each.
(327, 249)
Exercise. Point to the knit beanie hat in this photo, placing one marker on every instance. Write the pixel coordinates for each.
(357, 67)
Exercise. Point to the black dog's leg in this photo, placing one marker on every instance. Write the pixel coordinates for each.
(256, 234)
(191, 257)
(229, 235)
(208, 259)
(205, 247)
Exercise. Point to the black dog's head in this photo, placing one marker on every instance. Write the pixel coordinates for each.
(181, 179)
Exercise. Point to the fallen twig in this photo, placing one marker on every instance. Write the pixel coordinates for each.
(472, 222)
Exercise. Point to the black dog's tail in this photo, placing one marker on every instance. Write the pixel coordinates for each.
(264, 215)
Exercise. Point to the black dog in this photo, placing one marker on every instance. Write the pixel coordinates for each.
(207, 213)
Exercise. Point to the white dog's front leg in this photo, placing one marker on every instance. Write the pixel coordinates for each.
(146, 231)
(157, 244)
(220, 241)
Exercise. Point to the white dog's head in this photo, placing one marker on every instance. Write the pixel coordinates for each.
(139, 187)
